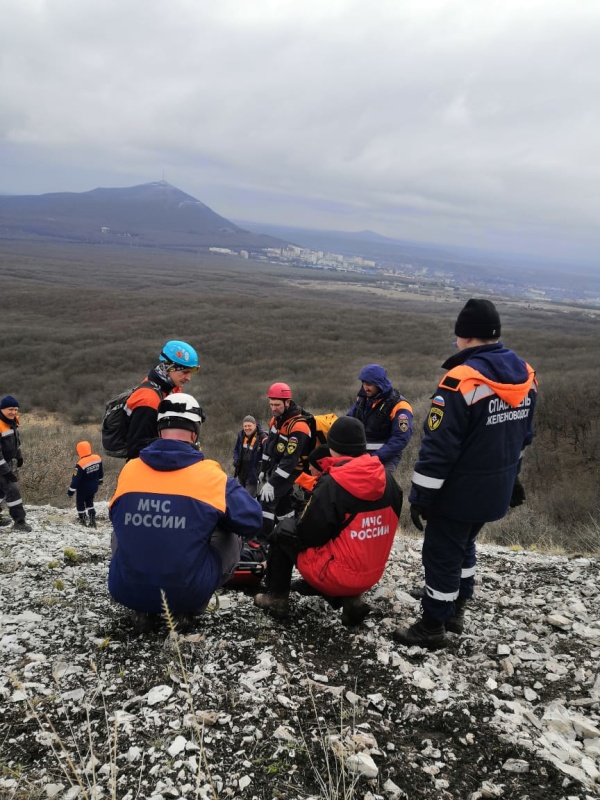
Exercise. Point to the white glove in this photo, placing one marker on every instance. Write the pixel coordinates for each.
(267, 494)
(261, 477)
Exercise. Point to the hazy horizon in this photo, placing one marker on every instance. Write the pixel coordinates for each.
(446, 122)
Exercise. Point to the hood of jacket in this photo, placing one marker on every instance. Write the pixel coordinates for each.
(507, 374)
(363, 476)
(167, 455)
(83, 449)
(377, 375)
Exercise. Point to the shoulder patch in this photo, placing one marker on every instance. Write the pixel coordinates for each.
(434, 420)
(448, 382)
(439, 400)
(403, 422)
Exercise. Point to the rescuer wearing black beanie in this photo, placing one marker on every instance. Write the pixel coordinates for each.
(478, 320)
(480, 421)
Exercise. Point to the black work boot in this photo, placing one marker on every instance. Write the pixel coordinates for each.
(83, 520)
(143, 622)
(354, 610)
(456, 623)
(425, 632)
(276, 604)
(92, 522)
(22, 526)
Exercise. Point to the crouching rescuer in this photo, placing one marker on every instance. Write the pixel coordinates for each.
(178, 520)
(342, 541)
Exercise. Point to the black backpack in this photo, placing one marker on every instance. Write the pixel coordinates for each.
(115, 421)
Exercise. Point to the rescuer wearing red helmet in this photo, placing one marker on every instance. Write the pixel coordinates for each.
(289, 437)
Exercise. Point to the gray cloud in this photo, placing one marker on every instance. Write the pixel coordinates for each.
(444, 120)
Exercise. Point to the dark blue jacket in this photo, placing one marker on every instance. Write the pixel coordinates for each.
(166, 506)
(388, 425)
(247, 455)
(481, 418)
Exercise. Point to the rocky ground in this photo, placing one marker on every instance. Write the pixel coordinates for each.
(244, 706)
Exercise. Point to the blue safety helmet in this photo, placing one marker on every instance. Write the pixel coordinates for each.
(179, 355)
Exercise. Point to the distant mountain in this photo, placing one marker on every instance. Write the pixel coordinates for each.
(152, 214)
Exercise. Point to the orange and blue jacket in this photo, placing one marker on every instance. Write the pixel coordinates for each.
(165, 509)
(88, 473)
(387, 417)
(479, 421)
(288, 440)
(10, 443)
(142, 411)
(348, 526)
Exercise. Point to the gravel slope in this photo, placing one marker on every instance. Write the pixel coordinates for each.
(241, 705)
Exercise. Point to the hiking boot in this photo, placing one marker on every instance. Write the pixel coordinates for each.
(92, 522)
(276, 604)
(456, 623)
(354, 610)
(143, 622)
(83, 521)
(22, 527)
(185, 622)
(422, 634)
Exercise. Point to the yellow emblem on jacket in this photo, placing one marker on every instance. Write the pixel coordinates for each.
(434, 420)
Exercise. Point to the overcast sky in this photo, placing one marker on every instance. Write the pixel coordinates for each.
(472, 122)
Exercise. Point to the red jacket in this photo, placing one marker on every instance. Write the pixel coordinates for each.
(348, 526)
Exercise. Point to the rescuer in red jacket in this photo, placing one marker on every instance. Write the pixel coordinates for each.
(343, 538)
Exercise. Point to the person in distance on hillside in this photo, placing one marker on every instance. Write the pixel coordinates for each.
(342, 540)
(480, 420)
(11, 459)
(386, 415)
(178, 521)
(247, 454)
(177, 363)
(288, 439)
(87, 477)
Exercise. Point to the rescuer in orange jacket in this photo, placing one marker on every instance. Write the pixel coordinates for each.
(11, 458)
(288, 440)
(87, 477)
(342, 541)
(177, 362)
(178, 520)
(480, 420)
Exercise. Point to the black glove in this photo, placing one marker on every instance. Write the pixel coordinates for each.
(19, 462)
(416, 514)
(10, 477)
(518, 494)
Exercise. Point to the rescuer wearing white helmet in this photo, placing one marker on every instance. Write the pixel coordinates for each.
(178, 520)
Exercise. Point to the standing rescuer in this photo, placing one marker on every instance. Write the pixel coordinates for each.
(11, 459)
(288, 439)
(386, 415)
(177, 362)
(85, 480)
(481, 418)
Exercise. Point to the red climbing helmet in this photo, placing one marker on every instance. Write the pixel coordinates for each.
(279, 391)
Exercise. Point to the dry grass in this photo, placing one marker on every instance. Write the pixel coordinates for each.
(90, 322)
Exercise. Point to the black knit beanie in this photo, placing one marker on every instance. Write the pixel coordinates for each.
(322, 451)
(478, 320)
(347, 437)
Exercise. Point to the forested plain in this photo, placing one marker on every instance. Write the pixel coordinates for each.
(82, 323)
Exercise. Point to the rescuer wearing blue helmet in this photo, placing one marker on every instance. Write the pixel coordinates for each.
(177, 362)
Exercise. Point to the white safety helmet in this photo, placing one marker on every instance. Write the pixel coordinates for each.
(180, 410)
